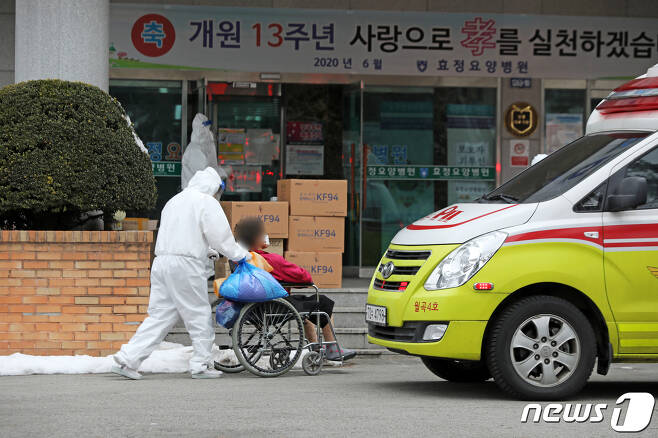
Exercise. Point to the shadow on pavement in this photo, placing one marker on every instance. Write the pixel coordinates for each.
(600, 390)
(486, 390)
(613, 389)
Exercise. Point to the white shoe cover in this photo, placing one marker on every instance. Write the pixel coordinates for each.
(207, 374)
(124, 370)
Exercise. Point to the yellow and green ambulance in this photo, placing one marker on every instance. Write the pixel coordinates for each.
(552, 272)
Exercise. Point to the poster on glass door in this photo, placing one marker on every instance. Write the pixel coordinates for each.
(562, 129)
(261, 147)
(471, 142)
(231, 145)
(304, 159)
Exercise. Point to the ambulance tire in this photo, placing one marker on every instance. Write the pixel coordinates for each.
(499, 342)
(457, 370)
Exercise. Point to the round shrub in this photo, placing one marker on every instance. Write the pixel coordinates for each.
(65, 149)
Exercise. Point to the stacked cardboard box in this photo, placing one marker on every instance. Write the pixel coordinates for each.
(316, 227)
(273, 214)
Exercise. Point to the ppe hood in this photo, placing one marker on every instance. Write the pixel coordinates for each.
(205, 181)
(462, 222)
(200, 130)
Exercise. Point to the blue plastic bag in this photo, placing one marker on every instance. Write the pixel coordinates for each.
(227, 313)
(249, 284)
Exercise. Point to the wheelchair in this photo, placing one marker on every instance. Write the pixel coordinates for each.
(268, 337)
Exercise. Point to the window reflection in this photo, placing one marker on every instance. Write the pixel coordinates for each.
(155, 109)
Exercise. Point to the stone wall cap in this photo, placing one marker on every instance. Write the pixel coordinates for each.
(76, 236)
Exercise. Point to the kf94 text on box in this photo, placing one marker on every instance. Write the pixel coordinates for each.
(313, 197)
(274, 215)
(326, 268)
(322, 234)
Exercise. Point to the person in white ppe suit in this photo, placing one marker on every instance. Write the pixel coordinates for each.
(193, 228)
(200, 152)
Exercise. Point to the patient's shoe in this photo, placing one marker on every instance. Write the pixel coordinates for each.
(333, 354)
(208, 373)
(124, 370)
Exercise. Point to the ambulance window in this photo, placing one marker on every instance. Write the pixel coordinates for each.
(592, 202)
(647, 167)
(564, 169)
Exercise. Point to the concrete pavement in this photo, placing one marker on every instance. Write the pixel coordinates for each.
(390, 396)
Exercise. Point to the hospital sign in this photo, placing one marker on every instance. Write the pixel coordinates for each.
(379, 42)
(437, 173)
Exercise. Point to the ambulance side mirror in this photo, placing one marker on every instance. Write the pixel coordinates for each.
(631, 192)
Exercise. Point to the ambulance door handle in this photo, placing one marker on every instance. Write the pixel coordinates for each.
(592, 234)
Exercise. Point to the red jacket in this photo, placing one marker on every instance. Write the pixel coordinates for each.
(285, 271)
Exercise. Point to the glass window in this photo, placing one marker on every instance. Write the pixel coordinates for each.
(564, 116)
(427, 141)
(594, 101)
(352, 154)
(465, 133)
(252, 177)
(594, 201)
(562, 170)
(397, 131)
(155, 108)
(319, 105)
(647, 167)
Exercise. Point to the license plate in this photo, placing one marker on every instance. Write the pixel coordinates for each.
(376, 314)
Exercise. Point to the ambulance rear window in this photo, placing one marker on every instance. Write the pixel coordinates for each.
(563, 169)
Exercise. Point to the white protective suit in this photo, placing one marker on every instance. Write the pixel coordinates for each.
(201, 152)
(192, 221)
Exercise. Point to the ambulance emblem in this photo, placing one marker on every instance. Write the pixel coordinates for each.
(654, 271)
(387, 269)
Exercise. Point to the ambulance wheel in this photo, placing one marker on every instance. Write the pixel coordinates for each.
(457, 370)
(541, 348)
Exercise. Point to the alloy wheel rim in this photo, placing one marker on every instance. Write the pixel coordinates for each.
(545, 350)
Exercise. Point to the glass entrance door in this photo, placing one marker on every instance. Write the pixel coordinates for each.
(425, 148)
(246, 121)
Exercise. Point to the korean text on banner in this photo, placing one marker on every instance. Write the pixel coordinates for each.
(379, 42)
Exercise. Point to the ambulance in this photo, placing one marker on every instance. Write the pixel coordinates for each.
(549, 274)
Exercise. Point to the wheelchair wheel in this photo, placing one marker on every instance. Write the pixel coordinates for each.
(312, 363)
(231, 367)
(268, 337)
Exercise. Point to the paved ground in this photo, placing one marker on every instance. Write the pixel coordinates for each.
(386, 397)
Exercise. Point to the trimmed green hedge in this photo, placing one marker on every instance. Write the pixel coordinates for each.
(66, 148)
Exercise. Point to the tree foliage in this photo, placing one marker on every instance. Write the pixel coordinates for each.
(66, 148)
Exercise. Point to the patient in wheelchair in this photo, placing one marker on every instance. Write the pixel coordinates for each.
(250, 232)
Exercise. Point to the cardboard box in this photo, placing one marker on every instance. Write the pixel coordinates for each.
(326, 268)
(316, 234)
(137, 224)
(276, 246)
(273, 214)
(314, 197)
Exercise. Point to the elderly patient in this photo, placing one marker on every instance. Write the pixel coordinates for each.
(250, 232)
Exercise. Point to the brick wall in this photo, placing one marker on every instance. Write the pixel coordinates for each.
(72, 292)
